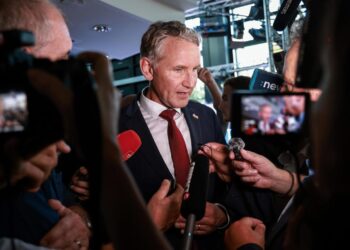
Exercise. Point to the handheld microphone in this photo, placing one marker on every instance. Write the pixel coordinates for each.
(195, 196)
(129, 142)
(286, 14)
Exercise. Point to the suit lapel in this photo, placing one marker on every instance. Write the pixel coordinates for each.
(193, 121)
(148, 150)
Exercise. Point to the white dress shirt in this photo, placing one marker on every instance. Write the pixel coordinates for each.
(159, 128)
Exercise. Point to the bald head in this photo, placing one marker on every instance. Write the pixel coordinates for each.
(44, 20)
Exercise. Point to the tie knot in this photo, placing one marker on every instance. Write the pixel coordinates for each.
(168, 114)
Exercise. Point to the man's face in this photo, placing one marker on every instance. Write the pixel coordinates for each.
(225, 103)
(174, 72)
(265, 113)
(59, 43)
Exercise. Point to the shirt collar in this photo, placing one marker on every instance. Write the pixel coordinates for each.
(154, 108)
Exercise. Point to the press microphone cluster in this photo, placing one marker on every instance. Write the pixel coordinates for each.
(129, 142)
(195, 196)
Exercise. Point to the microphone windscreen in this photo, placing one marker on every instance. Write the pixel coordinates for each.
(129, 142)
(195, 195)
(286, 14)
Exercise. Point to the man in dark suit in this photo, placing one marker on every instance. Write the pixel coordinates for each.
(170, 59)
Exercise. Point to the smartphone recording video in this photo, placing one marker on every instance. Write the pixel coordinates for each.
(269, 114)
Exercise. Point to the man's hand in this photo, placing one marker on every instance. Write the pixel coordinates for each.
(255, 169)
(260, 172)
(205, 76)
(70, 232)
(212, 219)
(244, 231)
(37, 169)
(80, 184)
(219, 159)
(165, 209)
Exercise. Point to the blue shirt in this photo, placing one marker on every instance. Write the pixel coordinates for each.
(27, 215)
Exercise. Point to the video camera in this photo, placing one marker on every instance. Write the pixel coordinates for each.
(42, 102)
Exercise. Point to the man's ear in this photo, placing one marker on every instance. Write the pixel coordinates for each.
(146, 68)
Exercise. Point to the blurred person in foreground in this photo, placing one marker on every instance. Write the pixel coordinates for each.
(44, 216)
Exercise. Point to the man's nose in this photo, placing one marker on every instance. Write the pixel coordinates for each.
(190, 79)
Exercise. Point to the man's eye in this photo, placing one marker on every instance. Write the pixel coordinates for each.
(178, 70)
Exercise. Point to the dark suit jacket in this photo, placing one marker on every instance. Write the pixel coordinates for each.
(147, 165)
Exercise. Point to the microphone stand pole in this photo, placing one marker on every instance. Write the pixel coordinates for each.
(188, 235)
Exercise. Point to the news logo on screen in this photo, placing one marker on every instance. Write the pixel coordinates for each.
(264, 80)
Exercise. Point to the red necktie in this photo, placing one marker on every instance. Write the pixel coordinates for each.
(178, 148)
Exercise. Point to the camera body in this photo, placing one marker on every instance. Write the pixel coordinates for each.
(30, 120)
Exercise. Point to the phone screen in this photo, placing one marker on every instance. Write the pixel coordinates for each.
(268, 114)
(13, 111)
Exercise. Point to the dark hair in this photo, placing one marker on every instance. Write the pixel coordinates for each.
(238, 83)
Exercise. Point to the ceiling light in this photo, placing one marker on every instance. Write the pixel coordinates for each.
(102, 28)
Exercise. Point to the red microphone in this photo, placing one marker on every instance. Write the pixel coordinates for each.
(129, 142)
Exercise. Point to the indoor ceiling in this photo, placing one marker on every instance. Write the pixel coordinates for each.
(127, 20)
